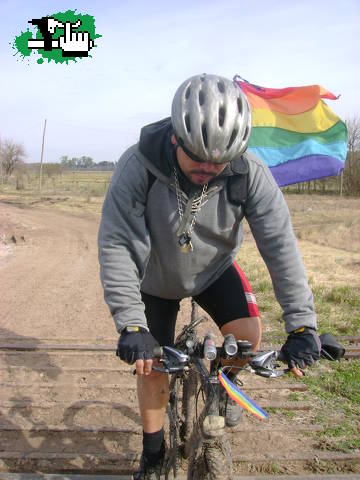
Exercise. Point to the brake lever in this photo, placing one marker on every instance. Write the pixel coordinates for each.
(267, 373)
(173, 360)
(264, 364)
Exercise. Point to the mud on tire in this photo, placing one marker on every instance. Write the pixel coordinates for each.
(210, 460)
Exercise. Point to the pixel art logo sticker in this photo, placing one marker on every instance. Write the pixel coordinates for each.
(61, 37)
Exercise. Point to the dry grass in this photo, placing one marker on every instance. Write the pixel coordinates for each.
(327, 220)
(80, 193)
(328, 232)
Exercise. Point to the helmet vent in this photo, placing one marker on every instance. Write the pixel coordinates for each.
(232, 139)
(221, 116)
(221, 87)
(212, 116)
(201, 97)
(246, 134)
(240, 105)
(204, 134)
(187, 123)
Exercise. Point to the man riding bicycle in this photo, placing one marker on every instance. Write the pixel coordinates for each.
(171, 228)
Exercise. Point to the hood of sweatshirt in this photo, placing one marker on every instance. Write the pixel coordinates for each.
(155, 144)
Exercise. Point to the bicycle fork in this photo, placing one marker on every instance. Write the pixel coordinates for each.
(213, 424)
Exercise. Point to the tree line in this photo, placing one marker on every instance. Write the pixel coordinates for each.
(12, 156)
(85, 163)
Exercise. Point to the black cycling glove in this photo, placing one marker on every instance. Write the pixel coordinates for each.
(301, 348)
(136, 343)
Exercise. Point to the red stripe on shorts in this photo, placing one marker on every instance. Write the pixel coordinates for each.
(250, 297)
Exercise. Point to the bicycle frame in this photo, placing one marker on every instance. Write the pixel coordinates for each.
(188, 428)
(202, 438)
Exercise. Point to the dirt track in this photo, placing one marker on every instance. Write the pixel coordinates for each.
(65, 410)
(49, 281)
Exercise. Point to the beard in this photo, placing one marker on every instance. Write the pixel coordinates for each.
(199, 177)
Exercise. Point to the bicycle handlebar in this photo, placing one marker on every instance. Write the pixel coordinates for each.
(177, 360)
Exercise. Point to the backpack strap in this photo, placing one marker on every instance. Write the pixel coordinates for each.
(237, 184)
(237, 187)
(151, 180)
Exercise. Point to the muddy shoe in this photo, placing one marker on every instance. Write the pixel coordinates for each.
(233, 413)
(149, 472)
(230, 410)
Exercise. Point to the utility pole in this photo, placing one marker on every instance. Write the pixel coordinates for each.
(42, 155)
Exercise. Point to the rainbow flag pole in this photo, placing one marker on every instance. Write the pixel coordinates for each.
(295, 133)
(240, 398)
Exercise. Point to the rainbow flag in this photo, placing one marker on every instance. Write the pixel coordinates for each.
(295, 133)
(240, 398)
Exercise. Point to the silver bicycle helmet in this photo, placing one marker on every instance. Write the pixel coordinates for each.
(211, 118)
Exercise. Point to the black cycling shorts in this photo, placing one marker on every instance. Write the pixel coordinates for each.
(230, 297)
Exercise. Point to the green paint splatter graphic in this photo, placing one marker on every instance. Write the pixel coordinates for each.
(64, 33)
(21, 43)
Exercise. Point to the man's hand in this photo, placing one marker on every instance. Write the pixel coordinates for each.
(301, 348)
(136, 344)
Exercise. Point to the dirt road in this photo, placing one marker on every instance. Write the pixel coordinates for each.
(50, 277)
(75, 410)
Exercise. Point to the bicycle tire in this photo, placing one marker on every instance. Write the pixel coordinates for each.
(188, 408)
(210, 459)
(174, 429)
(182, 421)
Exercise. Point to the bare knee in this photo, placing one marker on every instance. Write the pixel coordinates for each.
(243, 329)
(248, 328)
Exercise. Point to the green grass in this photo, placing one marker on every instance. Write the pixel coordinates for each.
(333, 387)
(336, 386)
(289, 413)
(344, 295)
(338, 309)
(294, 396)
(341, 381)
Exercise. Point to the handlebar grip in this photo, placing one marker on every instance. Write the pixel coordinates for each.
(158, 352)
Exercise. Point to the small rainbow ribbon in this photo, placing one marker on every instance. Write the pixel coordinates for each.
(240, 398)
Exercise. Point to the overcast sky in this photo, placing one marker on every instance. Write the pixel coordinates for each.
(96, 107)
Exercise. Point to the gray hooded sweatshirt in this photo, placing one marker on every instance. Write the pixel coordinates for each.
(140, 227)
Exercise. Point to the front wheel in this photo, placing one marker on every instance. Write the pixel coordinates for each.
(190, 385)
(211, 460)
(174, 429)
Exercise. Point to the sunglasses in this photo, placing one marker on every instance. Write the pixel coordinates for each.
(193, 157)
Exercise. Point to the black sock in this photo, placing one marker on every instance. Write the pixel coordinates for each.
(153, 446)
